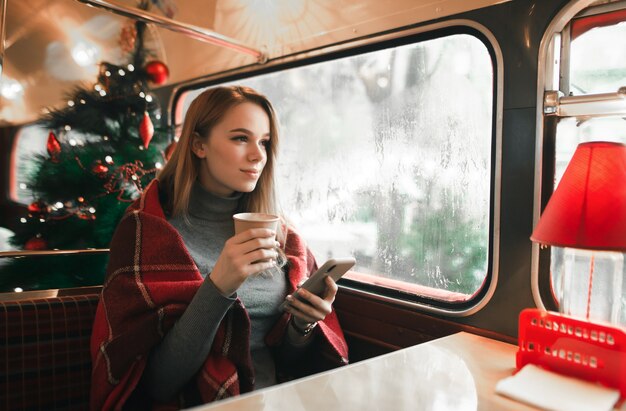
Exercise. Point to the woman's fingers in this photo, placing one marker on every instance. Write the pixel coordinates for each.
(254, 244)
(303, 315)
(313, 306)
(259, 266)
(260, 254)
(254, 233)
(244, 254)
(251, 246)
(331, 289)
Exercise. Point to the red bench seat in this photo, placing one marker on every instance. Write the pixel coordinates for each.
(44, 352)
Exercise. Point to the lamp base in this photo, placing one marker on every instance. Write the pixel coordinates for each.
(589, 284)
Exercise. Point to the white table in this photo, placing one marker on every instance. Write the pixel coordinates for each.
(458, 372)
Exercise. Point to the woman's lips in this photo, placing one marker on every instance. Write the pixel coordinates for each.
(252, 173)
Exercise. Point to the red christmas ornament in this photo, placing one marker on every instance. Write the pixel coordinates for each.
(36, 243)
(53, 147)
(38, 207)
(146, 130)
(157, 72)
(86, 216)
(100, 169)
(169, 150)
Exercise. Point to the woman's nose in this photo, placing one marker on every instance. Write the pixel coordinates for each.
(256, 153)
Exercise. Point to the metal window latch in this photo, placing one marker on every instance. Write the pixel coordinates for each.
(551, 102)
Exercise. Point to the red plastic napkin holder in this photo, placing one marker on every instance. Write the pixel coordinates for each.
(572, 346)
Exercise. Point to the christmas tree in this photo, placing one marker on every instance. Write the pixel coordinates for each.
(103, 148)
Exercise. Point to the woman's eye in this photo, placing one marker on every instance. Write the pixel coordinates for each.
(265, 143)
(240, 138)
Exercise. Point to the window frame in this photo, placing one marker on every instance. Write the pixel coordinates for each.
(553, 77)
(379, 42)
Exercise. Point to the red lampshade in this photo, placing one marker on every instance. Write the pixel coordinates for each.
(588, 208)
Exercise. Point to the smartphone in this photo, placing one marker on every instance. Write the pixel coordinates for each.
(335, 268)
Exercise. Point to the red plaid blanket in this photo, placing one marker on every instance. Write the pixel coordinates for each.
(151, 278)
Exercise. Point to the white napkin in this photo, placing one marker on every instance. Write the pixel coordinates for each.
(551, 391)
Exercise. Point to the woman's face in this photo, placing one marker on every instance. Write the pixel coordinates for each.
(234, 154)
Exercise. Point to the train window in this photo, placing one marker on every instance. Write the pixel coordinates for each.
(596, 45)
(594, 67)
(571, 132)
(31, 141)
(387, 156)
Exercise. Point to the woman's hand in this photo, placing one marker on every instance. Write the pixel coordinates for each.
(314, 308)
(244, 254)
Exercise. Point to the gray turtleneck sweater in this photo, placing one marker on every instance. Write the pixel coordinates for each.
(183, 350)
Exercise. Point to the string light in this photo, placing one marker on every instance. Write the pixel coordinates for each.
(71, 103)
(105, 138)
(23, 186)
(131, 67)
(108, 159)
(98, 87)
(67, 127)
(18, 289)
(142, 94)
(158, 117)
(58, 204)
(22, 220)
(148, 98)
(92, 210)
(82, 101)
(107, 73)
(103, 93)
(121, 72)
(72, 142)
(158, 165)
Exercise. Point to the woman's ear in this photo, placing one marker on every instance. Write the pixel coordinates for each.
(197, 145)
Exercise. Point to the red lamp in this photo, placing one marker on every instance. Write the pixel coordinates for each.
(585, 220)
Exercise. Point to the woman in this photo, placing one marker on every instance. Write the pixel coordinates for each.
(189, 310)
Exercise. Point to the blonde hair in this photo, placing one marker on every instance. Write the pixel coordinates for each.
(181, 171)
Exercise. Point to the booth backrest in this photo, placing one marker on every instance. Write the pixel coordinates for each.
(44, 349)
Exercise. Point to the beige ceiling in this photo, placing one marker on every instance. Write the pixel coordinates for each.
(41, 34)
